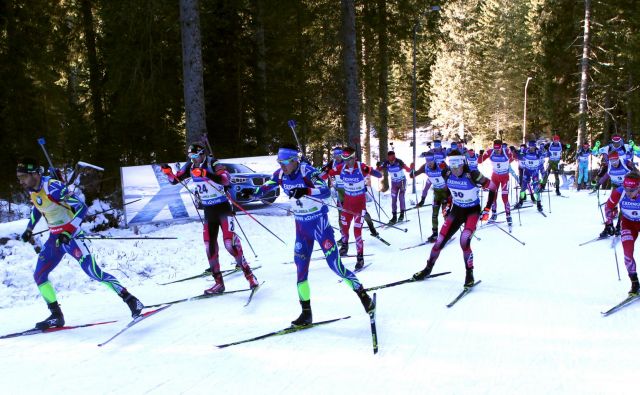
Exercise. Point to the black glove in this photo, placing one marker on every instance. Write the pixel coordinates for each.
(481, 152)
(297, 193)
(26, 236)
(64, 238)
(378, 164)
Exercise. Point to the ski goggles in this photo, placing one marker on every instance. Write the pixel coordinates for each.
(456, 161)
(287, 155)
(348, 155)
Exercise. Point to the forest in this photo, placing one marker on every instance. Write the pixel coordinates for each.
(104, 81)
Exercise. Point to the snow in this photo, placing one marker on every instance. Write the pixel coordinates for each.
(533, 326)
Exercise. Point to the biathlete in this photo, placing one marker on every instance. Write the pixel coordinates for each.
(63, 211)
(464, 185)
(302, 183)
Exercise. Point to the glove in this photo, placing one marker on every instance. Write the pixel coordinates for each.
(378, 164)
(631, 143)
(442, 165)
(485, 214)
(198, 172)
(26, 236)
(481, 152)
(568, 146)
(297, 193)
(166, 169)
(64, 238)
(412, 173)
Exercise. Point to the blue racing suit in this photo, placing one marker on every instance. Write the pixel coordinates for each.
(312, 224)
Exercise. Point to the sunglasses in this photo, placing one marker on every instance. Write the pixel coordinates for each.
(631, 190)
(286, 161)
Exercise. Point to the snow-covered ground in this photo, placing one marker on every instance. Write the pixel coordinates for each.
(533, 326)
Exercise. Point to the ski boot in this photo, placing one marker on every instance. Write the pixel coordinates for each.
(305, 318)
(635, 286)
(468, 279)
(344, 249)
(134, 304)
(393, 219)
(509, 221)
(251, 278)
(617, 231)
(539, 205)
(422, 274)
(340, 242)
(218, 287)
(367, 303)
(519, 204)
(433, 237)
(494, 217)
(55, 320)
(607, 231)
(558, 192)
(401, 217)
(360, 261)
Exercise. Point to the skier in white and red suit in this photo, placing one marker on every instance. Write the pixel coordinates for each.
(353, 175)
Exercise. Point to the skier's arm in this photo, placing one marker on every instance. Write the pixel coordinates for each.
(366, 170)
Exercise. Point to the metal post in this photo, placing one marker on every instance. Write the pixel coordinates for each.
(414, 95)
(524, 118)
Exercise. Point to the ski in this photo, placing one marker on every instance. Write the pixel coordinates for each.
(284, 331)
(36, 331)
(592, 240)
(464, 292)
(405, 281)
(626, 302)
(319, 258)
(136, 320)
(207, 273)
(253, 292)
(372, 320)
(377, 236)
(426, 243)
(362, 268)
(415, 207)
(202, 296)
(543, 214)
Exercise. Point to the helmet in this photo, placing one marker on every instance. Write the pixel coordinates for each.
(613, 155)
(556, 138)
(532, 143)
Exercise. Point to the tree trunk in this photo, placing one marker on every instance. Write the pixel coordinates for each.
(192, 70)
(584, 75)
(608, 121)
(104, 144)
(629, 108)
(261, 113)
(383, 87)
(350, 59)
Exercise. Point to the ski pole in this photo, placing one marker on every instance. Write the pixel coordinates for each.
(244, 211)
(379, 207)
(615, 253)
(549, 196)
(509, 234)
(253, 218)
(101, 237)
(352, 213)
(246, 238)
(112, 208)
(415, 192)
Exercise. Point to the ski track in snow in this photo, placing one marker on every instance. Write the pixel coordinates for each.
(533, 326)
